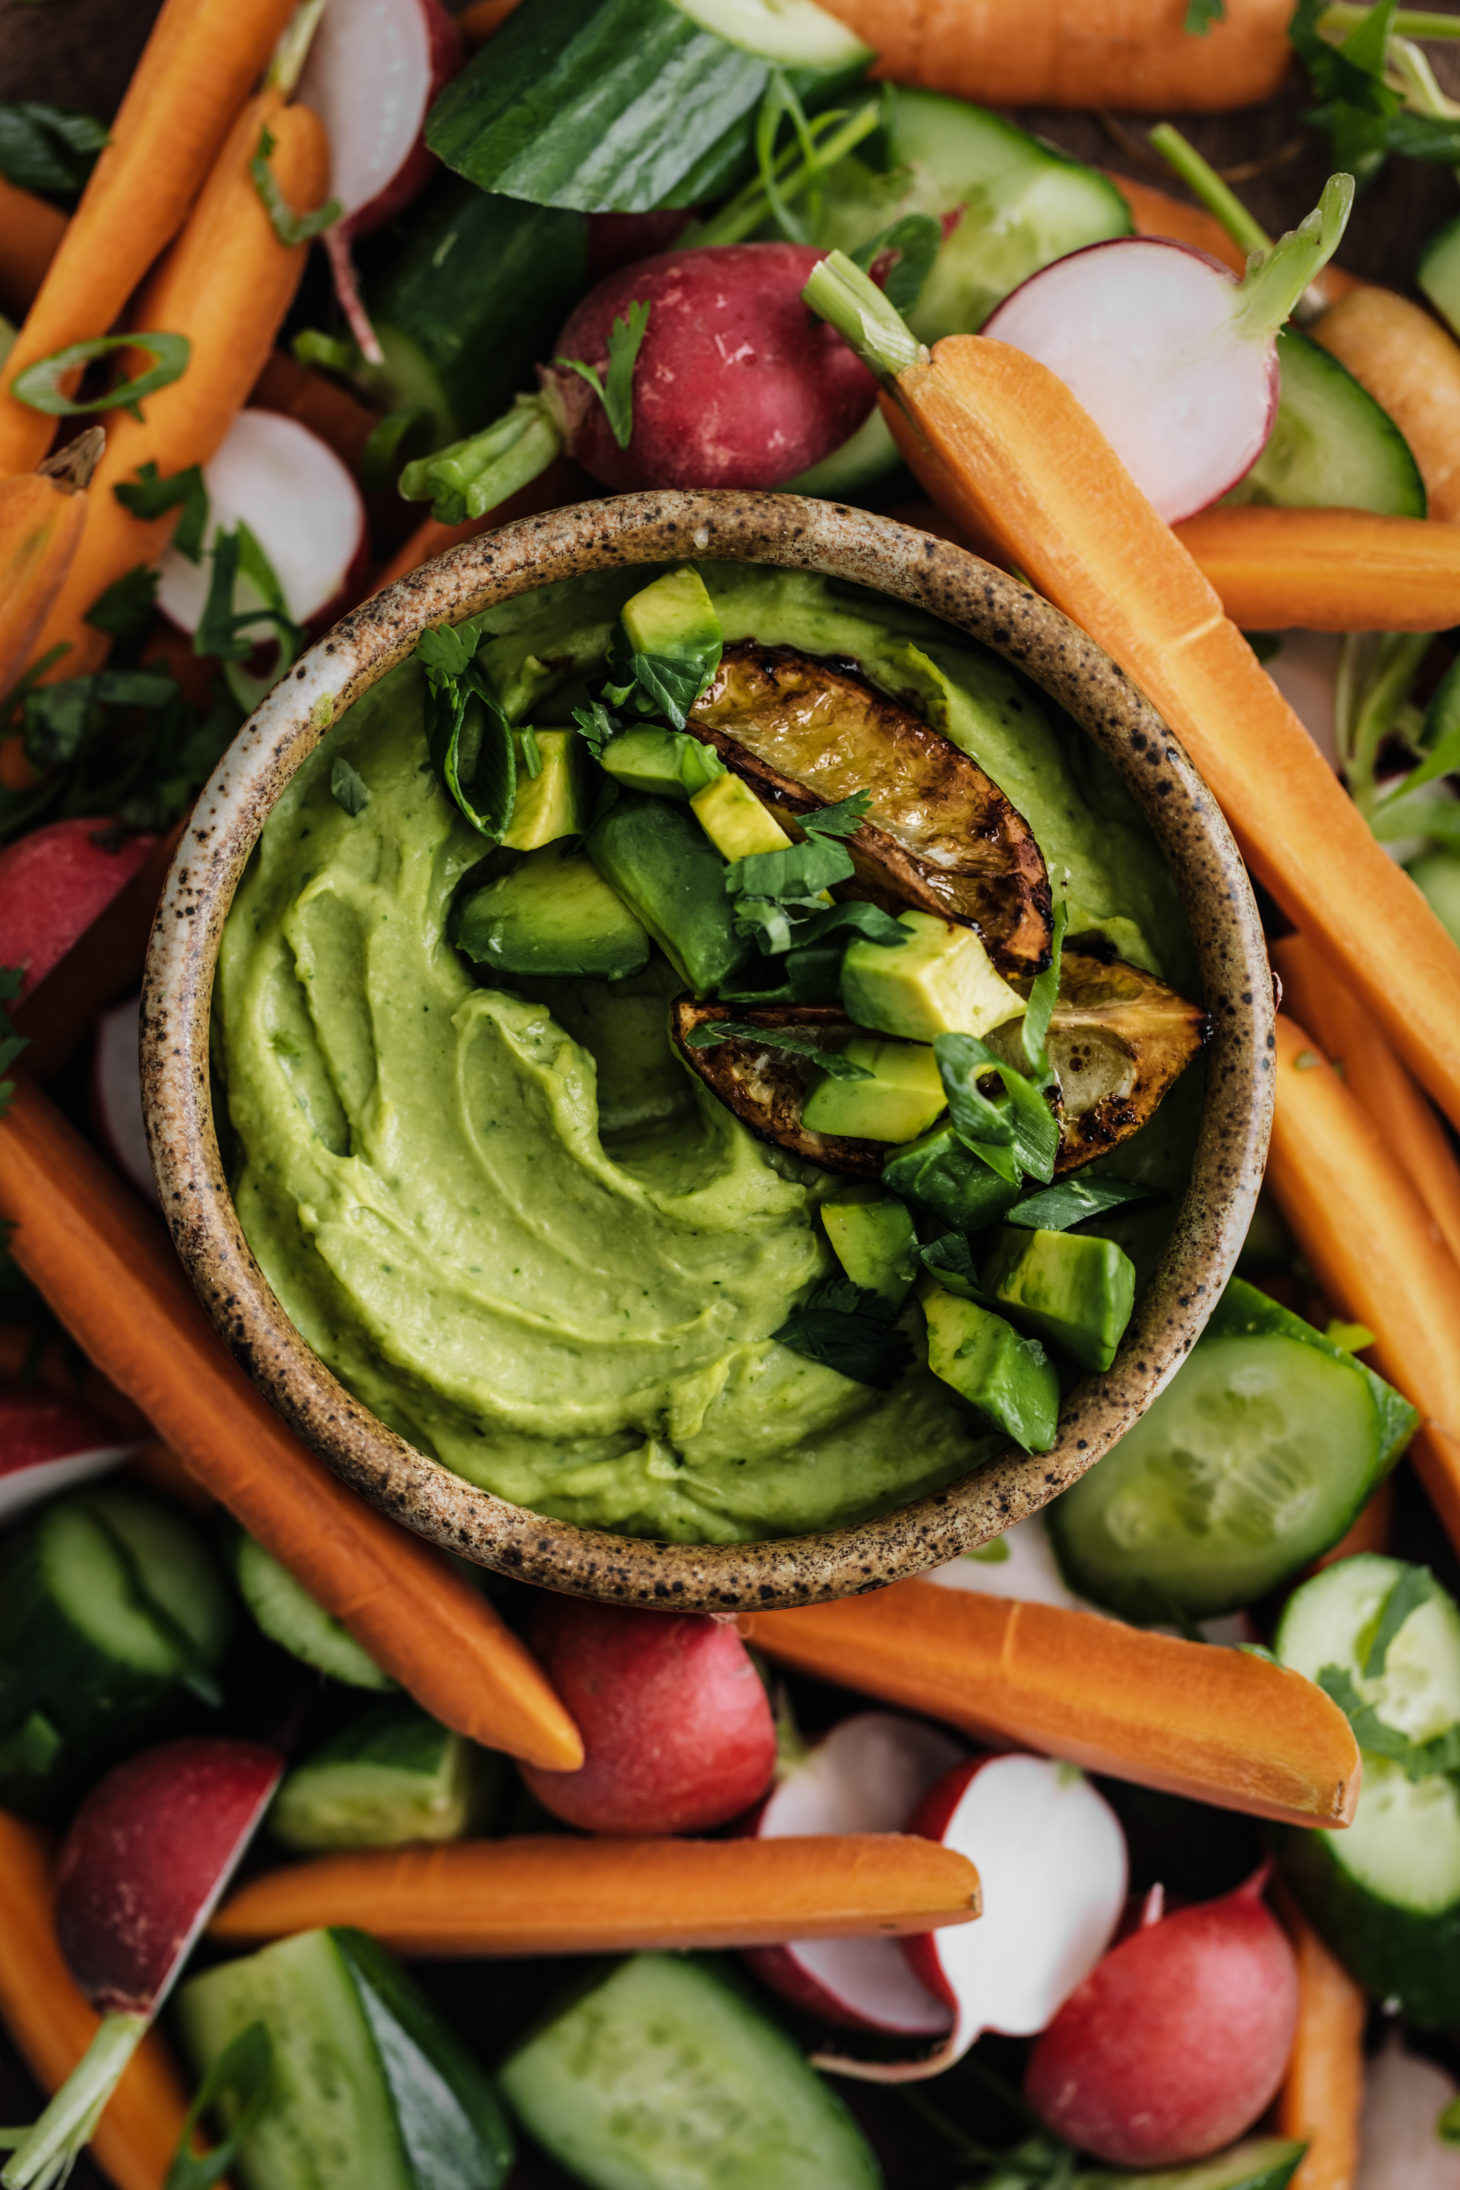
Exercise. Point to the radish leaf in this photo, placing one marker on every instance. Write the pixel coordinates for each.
(617, 393)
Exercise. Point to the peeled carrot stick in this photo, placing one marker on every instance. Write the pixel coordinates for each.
(42, 518)
(1080, 53)
(478, 22)
(112, 1279)
(1004, 448)
(1327, 569)
(48, 2017)
(1156, 213)
(1324, 2088)
(1216, 1725)
(30, 235)
(559, 1895)
(1317, 998)
(1373, 1247)
(1410, 365)
(226, 284)
(197, 68)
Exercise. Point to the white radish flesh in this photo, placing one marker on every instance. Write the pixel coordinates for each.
(116, 1094)
(867, 1775)
(48, 1445)
(1404, 2097)
(298, 500)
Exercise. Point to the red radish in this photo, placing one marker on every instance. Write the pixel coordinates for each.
(48, 1445)
(676, 1725)
(1176, 2041)
(1173, 357)
(1399, 2145)
(142, 1868)
(300, 503)
(374, 68)
(116, 1094)
(55, 882)
(867, 1775)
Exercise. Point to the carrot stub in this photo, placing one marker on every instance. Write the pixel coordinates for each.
(559, 1894)
(1410, 366)
(1327, 569)
(1217, 1725)
(197, 68)
(1324, 2088)
(111, 1277)
(51, 2022)
(42, 518)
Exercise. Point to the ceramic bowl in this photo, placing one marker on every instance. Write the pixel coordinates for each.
(841, 543)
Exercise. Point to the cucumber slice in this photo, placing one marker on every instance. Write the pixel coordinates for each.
(624, 105)
(1331, 446)
(1332, 1620)
(290, 1617)
(395, 1775)
(371, 2091)
(1438, 273)
(1262, 2163)
(1255, 1458)
(663, 2076)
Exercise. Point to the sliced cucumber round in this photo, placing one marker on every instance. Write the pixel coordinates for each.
(791, 33)
(1331, 446)
(1333, 1620)
(290, 1617)
(1438, 273)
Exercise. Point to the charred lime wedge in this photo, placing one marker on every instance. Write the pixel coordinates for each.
(767, 1086)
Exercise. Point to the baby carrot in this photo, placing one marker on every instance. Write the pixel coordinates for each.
(225, 284)
(1324, 2087)
(42, 517)
(1410, 365)
(197, 68)
(1217, 1725)
(1327, 569)
(30, 234)
(559, 1894)
(1156, 213)
(478, 22)
(112, 1279)
(52, 2024)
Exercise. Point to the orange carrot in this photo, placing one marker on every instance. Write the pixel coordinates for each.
(317, 402)
(196, 70)
(48, 2017)
(1373, 1247)
(1213, 1724)
(30, 235)
(1411, 366)
(478, 22)
(556, 1894)
(226, 284)
(1316, 997)
(1156, 213)
(1324, 2087)
(1002, 445)
(42, 517)
(112, 1279)
(1081, 53)
(1327, 569)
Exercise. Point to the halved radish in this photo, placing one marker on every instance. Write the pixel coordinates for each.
(1173, 357)
(1399, 2142)
(116, 1094)
(1052, 1869)
(142, 1867)
(867, 1775)
(48, 1445)
(55, 882)
(302, 506)
(374, 68)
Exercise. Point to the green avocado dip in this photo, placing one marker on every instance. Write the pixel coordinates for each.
(509, 1218)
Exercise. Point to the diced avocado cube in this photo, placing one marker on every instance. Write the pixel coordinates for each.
(949, 1181)
(1071, 1288)
(734, 820)
(554, 802)
(1010, 1379)
(666, 870)
(552, 917)
(675, 617)
(941, 981)
(900, 1100)
(873, 1238)
(669, 763)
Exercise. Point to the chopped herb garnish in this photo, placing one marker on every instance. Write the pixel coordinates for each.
(797, 1042)
(348, 787)
(48, 148)
(472, 745)
(616, 393)
(766, 883)
(1202, 14)
(40, 384)
(1307, 1060)
(1014, 1126)
(1417, 1759)
(290, 227)
(150, 495)
(125, 610)
(852, 1331)
(232, 633)
(910, 245)
(597, 726)
(1071, 1201)
(1043, 996)
(1415, 1587)
(950, 1259)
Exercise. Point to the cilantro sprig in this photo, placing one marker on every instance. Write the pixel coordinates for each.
(769, 886)
(849, 1330)
(616, 393)
(471, 739)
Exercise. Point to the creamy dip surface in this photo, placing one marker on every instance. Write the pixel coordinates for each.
(513, 1224)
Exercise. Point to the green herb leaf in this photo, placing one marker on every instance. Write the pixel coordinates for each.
(32, 1747)
(472, 744)
(153, 496)
(950, 1259)
(913, 244)
(1356, 106)
(852, 1331)
(231, 632)
(126, 609)
(1417, 1759)
(1415, 1586)
(40, 384)
(243, 2078)
(667, 686)
(870, 922)
(348, 787)
(1071, 1201)
(767, 921)
(797, 1043)
(1017, 1127)
(51, 149)
(795, 876)
(845, 818)
(58, 718)
(625, 337)
(290, 227)
(780, 103)
(12, 980)
(1202, 14)
(597, 726)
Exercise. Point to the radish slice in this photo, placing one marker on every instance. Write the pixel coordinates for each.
(297, 499)
(1173, 357)
(55, 882)
(1404, 2097)
(374, 68)
(116, 1094)
(867, 1775)
(48, 1445)
(1051, 1861)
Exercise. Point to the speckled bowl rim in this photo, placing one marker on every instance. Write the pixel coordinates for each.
(796, 533)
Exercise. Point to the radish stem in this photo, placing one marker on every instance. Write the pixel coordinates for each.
(1273, 285)
(852, 303)
(1208, 188)
(45, 2153)
(751, 206)
(474, 476)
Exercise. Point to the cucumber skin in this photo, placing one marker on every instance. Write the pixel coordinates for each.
(1438, 273)
(1244, 1311)
(1394, 1953)
(1315, 385)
